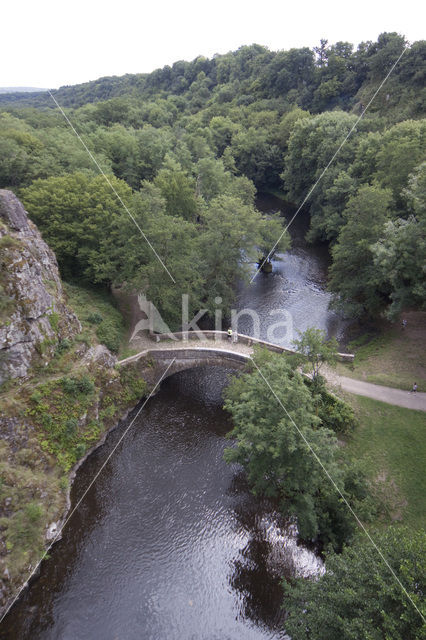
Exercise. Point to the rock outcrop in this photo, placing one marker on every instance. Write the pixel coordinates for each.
(33, 314)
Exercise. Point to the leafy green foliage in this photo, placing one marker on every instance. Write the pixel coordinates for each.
(314, 347)
(54, 320)
(26, 526)
(353, 274)
(74, 214)
(175, 141)
(358, 597)
(279, 448)
(63, 346)
(98, 314)
(94, 318)
(110, 335)
(75, 386)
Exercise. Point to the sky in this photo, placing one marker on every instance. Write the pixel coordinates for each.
(50, 43)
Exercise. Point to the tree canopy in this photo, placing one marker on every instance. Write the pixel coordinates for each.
(280, 437)
(249, 121)
(358, 597)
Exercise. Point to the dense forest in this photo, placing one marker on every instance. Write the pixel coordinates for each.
(188, 146)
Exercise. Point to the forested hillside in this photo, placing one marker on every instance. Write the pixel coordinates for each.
(187, 147)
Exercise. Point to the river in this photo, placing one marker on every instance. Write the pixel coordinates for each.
(169, 543)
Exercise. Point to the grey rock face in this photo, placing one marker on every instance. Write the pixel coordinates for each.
(100, 355)
(33, 313)
(12, 211)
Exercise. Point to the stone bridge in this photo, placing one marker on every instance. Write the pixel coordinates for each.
(208, 348)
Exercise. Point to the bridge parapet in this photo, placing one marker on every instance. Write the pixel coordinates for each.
(222, 336)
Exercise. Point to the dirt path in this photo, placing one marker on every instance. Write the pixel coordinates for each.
(398, 397)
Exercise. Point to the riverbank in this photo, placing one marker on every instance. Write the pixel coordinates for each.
(389, 442)
(392, 355)
(49, 424)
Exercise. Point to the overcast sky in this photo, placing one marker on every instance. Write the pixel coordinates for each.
(49, 43)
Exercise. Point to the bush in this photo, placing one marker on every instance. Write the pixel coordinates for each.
(36, 397)
(110, 335)
(71, 427)
(80, 450)
(63, 346)
(336, 414)
(74, 386)
(26, 526)
(94, 318)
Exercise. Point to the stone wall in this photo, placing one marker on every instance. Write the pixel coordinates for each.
(220, 336)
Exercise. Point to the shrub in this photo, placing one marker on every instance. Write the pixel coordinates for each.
(109, 334)
(26, 526)
(71, 427)
(74, 386)
(94, 318)
(63, 346)
(80, 450)
(336, 414)
(36, 397)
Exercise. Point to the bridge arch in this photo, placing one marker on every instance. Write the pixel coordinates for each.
(183, 358)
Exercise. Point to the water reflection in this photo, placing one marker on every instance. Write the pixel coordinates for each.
(168, 543)
(297, 284)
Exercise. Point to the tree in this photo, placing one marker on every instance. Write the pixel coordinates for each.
(178, 190)
(286, 125)
(358, 597)
(271, 444)
(232, 232)
(314, 347)
(311, 146)
(128, 259)
(257, 157)
(400, 259)
(402, 150)
(321, 53)
(353, 275)
(75, 214)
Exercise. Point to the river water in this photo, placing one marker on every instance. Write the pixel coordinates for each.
(169, 543)
(297, 287)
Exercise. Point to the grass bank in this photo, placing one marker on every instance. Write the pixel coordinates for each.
(394, 358)
(100, 318)
(390, 442)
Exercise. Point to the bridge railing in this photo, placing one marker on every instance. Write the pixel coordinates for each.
(221, 336)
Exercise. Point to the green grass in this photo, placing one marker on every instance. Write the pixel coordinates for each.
(391, 443)
(393, 358)
(57, 408)
(35, 499)
(100, 319)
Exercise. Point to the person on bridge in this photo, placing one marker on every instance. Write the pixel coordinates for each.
(229, 333)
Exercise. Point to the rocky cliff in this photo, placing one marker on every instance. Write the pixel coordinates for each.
(33, 313)
(60, 394)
